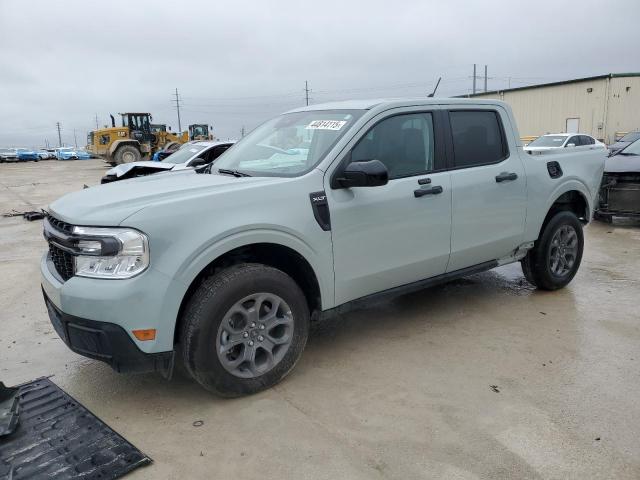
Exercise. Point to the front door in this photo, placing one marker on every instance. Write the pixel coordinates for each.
(392, 235)
(489, 189)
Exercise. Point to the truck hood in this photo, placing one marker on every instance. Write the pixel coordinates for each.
(622, 164)
(123, 169)
(110, 204)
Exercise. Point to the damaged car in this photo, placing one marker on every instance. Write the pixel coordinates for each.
(620, 190)
(192, 155)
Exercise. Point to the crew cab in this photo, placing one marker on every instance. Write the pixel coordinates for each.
(315, 209)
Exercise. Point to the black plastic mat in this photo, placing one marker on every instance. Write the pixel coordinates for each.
(57, 438)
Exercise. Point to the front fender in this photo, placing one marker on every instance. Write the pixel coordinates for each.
(322, 267)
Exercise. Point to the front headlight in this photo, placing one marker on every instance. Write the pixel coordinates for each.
(110, 252)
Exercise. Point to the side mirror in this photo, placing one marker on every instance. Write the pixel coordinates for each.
(372, 173)
(198, 162)
(570, 145)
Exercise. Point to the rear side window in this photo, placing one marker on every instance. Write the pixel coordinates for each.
(478, 138)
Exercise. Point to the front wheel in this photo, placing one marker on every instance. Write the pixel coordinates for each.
(127, 154)
(244, 329)
(555, 258)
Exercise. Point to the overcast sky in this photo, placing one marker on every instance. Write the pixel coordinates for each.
(237, 63)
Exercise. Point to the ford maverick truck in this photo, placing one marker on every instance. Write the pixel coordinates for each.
(317, 208)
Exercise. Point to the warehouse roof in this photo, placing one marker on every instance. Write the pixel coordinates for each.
(553, 84)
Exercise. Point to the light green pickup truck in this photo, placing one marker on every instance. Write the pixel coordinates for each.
(315, 209)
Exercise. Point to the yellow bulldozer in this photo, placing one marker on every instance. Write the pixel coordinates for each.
(137, 138)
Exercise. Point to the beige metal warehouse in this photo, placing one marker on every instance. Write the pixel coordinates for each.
(603, 106)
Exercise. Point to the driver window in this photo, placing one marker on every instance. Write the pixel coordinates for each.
(404, 143)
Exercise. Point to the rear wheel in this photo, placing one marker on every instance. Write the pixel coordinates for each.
(244, 329)
(555, 258)
(127, 154)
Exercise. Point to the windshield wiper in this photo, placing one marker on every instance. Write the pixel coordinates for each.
(627, 154)
(235, 173)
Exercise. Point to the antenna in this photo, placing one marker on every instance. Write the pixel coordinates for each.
(435, 88)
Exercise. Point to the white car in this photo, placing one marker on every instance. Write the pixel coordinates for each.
(190, 155)
(551, 142)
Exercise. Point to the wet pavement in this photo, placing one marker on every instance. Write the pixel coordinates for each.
(484, 377)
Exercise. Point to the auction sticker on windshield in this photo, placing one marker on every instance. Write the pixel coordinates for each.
(326, 125)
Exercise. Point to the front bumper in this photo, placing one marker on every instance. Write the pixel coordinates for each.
(106, 342)
(149, 300)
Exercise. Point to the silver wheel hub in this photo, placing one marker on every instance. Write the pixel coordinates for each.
(563, 251)
(254, 335)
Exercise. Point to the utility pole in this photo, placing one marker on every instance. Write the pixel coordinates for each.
(97, 127)
(242, 132)
(474, 78)
(178, 110)
(59, 136)
(46, 142)
(306, 91)
(485, 78)
(75, 139)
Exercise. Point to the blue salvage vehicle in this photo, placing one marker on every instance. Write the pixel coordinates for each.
(26, 155)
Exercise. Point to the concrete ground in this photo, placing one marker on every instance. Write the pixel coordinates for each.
(481, 378)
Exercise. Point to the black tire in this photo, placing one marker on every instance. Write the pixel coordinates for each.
(208, 306)
(127, 154)
(536, 265)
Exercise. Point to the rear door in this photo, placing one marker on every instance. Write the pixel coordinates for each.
(398, 233)
(489, 189)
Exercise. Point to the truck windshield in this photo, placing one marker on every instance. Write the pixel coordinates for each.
(548, 141)
(288, 145)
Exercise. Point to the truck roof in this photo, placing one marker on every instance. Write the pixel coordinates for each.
(368, 104)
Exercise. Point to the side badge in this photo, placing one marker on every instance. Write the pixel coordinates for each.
(320, 209)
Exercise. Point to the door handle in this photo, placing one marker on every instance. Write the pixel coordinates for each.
(421, 192)
(506, 177)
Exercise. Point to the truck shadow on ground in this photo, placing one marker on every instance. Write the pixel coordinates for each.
(398, 316)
